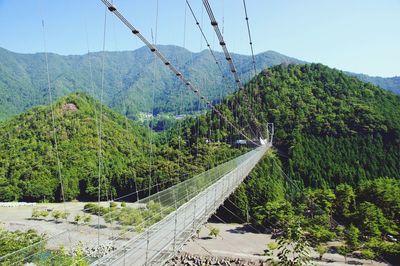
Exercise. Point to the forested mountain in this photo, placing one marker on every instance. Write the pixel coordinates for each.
(28, 155)
(335, 174)
(333, 127)
(129, 78)
(337, 138)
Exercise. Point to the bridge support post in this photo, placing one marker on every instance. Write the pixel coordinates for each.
(215, 199)
(147, 247)
(206, 207)
(124, 255)
(176, 221)
(194, 215)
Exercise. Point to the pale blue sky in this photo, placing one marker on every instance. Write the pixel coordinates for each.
(361, 36)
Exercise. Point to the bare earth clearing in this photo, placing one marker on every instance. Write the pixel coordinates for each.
(65, 233)
(235, 240)
(240, 241)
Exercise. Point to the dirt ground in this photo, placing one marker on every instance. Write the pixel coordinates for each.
(240, 241)
(65, 233)
(235, 240)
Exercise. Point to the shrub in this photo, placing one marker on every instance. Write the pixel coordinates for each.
(272, 246)
(214, 232)
(130, 216)
(113, 204)
(64, 215)
(56, 215)
(367, 254)
(89, 207)
(111, 216)
(77, 218)
(87, 218)
(93, 208)
(123, 204)
(44, 213)
(36, 213)
(12, 241)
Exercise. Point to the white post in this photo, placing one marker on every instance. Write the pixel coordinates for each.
(176, 220)
(147, 247)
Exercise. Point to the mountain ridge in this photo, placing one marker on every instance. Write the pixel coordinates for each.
(130, 78)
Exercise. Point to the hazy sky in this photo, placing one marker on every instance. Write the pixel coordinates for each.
(361, 36)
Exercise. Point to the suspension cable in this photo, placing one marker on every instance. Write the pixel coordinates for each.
(229, 59)
(53, 121)
(100, 125)
(151, 125)
(206, 40)
(217, 62)
(250, 40)
(167, 63)
(252, 52)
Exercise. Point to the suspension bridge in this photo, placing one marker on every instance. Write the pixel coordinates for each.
(203, 193)
(186, 206)
(207, 192)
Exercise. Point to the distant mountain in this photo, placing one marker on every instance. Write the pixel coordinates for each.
(391, 84)
(130, 78)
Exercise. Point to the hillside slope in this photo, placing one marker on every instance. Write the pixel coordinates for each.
(28, 158)
(129, 78)
(333, 128)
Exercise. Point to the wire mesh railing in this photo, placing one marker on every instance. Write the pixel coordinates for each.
(189, 205)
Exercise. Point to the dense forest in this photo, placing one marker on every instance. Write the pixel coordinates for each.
(334, 170)
(133, 158)
(130, 78)
(330, 128)
(336, 167)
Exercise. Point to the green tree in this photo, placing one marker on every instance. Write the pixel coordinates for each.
(321, 249)
(345, 200)
(371, 220)
(352, 237)
(293, 248)
(274, 213)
